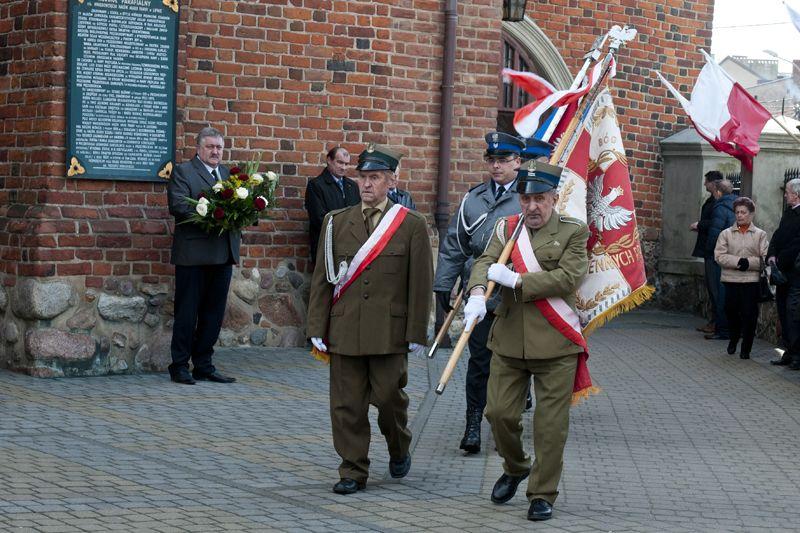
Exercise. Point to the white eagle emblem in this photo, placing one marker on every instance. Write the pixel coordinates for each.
(602, 214)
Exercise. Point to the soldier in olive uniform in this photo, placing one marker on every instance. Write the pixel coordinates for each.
(524, 342)
(466, 239)
(368, 322)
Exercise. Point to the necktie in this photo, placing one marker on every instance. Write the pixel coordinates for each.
(369, 213)
(393, 196)
(340, 184)
(214, 174)
(499, 192)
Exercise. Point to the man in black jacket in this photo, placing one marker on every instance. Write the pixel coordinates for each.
(329, 191)
(701, 227)
(203, 265)
(784, 248)
(722, 217)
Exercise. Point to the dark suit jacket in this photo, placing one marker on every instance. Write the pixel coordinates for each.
(702, 228)
(403, 198)
(191, 246)
(388, 306)
(324, 196)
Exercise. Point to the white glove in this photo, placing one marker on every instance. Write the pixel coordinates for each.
(318, 344)
(503, 275)
(418, 350)
(474, 311)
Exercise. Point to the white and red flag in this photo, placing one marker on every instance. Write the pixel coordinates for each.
(527, 118)
(723, 112)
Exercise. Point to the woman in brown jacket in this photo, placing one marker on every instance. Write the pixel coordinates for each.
(740, 251)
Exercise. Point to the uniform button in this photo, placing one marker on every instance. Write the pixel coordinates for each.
(366, 296)
(366, 282)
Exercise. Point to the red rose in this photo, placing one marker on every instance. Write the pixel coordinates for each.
(227, 193)
(219, 213)
(202, 195)
(243, 177)
(235, 170)
(259, 203)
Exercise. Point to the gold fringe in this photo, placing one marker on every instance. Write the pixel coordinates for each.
(320, 356)
(634, 299)
(578, 397)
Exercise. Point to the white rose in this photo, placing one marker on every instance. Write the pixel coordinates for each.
(241, 193)
(201, 208)
(257, 179)
(218, 186)
(271, 176)
(203, 200)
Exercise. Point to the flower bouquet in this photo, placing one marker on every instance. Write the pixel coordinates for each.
(236, 202)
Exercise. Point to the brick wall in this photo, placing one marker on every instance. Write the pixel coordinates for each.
(289, 80)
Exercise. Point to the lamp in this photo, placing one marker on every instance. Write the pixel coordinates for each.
(514, 10)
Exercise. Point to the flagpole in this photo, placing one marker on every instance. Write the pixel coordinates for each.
(779, 123)
(591, 56)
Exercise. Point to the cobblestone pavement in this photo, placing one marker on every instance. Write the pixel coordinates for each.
(682, 438)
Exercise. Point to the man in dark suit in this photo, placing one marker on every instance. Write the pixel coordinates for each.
(328, 191)
(203, 266)
(397, 195)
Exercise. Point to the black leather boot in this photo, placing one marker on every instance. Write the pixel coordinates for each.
(471, 443)
(747, 345)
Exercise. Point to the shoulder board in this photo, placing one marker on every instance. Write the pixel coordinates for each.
(338, 211)
(481, 184)
(571, 220)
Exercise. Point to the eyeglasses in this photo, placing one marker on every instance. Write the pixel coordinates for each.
(500, 160)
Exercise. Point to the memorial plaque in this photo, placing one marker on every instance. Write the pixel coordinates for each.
(121, 83)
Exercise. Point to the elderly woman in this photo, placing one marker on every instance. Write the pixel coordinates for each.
(740, 251)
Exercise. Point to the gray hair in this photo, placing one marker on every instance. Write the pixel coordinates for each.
(794, 186)
(208, 131)
(723, 186)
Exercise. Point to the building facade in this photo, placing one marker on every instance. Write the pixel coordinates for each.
(86, 279)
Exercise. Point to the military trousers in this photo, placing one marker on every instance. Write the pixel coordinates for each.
(480, 358)
(355, 382)
(552, 387)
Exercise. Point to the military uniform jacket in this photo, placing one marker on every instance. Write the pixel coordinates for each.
(520, 330)
(469, 233)
(388, 305)
(191, 246)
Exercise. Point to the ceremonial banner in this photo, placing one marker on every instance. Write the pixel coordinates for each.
(595, 187)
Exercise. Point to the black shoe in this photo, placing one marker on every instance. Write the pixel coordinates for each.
(181, 375)
(732, 346)
(471, 443)
(540, 510)
(795, 364)
(348, 486)
(744, 355)
(716, 337)
(400, 467)
(505, 487)
(784, 360)
(214, 376)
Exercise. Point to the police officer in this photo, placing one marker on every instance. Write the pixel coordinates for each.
(366, 312)
(525, 341)
(466, 239)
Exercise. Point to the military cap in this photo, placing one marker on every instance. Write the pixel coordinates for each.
(499, 143)
(376, 157)
(536, 148)
(536, 177)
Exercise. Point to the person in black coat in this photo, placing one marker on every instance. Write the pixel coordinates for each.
(327, 192)
(399, 196)
(782, 253)
(203, 265)
(722, 217)
(701, 227)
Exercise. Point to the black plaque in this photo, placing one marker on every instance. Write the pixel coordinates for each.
(121, 89)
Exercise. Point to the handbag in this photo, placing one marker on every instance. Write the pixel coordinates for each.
(765, 293)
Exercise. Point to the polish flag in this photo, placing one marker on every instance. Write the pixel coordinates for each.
(724, 113)
(527, 118)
